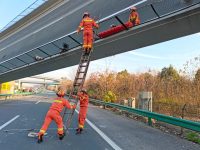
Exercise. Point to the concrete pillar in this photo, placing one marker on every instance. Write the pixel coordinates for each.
(19, 85)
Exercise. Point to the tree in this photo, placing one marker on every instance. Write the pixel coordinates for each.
(110, 97)
(169, 73)
(197, 75)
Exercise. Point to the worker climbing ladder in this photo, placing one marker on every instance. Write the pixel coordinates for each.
(77, 86)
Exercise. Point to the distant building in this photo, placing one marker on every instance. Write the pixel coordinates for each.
(7, 87)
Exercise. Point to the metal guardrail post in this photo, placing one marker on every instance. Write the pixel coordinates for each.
(149, 121)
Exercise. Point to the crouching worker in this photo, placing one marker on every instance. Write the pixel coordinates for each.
(54, 114)
(134, 17)
(84, 100)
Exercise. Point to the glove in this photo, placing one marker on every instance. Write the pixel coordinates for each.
(74, 106)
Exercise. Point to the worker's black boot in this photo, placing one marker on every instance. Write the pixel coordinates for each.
(85, 51)
(79, 130)
(61, 136)
(40, 138)
(88, 51)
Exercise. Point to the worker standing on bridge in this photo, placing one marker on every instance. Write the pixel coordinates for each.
(87, 25)
(54, 114)
(134, 16)
(84, 100)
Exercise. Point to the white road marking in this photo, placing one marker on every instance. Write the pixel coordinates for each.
(38, 30)
(37, 102)
(7, 123)
(103, 135)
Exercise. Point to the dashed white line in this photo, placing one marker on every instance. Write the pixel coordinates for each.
(103, 135)
(37, 102)
(7, 123)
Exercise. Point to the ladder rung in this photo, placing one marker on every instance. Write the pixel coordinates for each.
(83, 65)
(78, 84)
(79, 78)
(81, 72)
(84, 59)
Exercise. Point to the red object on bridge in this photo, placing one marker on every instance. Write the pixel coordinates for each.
(115, 30)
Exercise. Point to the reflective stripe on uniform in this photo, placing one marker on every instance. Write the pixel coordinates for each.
(80, 126)
(89, 20)
(57, 101)
(60, 129)
(89, 47)
(42, 131)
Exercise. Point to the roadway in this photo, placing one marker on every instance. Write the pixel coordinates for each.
(104, 130)
(175, 25)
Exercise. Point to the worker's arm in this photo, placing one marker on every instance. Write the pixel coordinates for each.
(137, 19)
(67, 104)
(80, 26)
(74, 96)
(95, 24)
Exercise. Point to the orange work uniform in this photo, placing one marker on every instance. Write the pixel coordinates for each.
(54, 114)
(134, 18)
(84, 100)
(87, 24)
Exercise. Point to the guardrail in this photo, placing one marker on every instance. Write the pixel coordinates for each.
(6, 96)
(195, 126)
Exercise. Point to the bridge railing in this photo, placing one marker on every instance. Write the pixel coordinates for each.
(67, 44)
(195, 126)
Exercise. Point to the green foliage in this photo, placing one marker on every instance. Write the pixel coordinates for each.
(167, 101)
(194, 137)
(169, 73)
(109, 97)
(68, 91)
(123, 73)
(91, 92)
(197, 75)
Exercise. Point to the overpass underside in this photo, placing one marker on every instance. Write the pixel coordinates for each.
(158, 26)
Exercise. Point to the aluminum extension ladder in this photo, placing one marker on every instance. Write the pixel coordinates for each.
(77, 86)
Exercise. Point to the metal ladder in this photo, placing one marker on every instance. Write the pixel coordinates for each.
(77, 86)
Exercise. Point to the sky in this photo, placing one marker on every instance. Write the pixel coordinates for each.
(175, 52)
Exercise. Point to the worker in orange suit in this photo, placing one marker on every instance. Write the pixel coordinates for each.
(54, 114)
(84, 100)
(87, 25)
(134, 16)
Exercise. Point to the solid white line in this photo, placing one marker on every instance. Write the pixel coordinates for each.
(55, 21)
(37, 102)
(7, 123)
(103, 135)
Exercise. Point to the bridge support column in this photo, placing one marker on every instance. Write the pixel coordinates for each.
(56, 87)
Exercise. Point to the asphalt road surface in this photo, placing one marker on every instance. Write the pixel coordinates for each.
(104, 130)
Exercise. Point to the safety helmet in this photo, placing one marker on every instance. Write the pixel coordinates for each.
(86, 14)
(60, 92)
(84, 91)
(133, 8)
